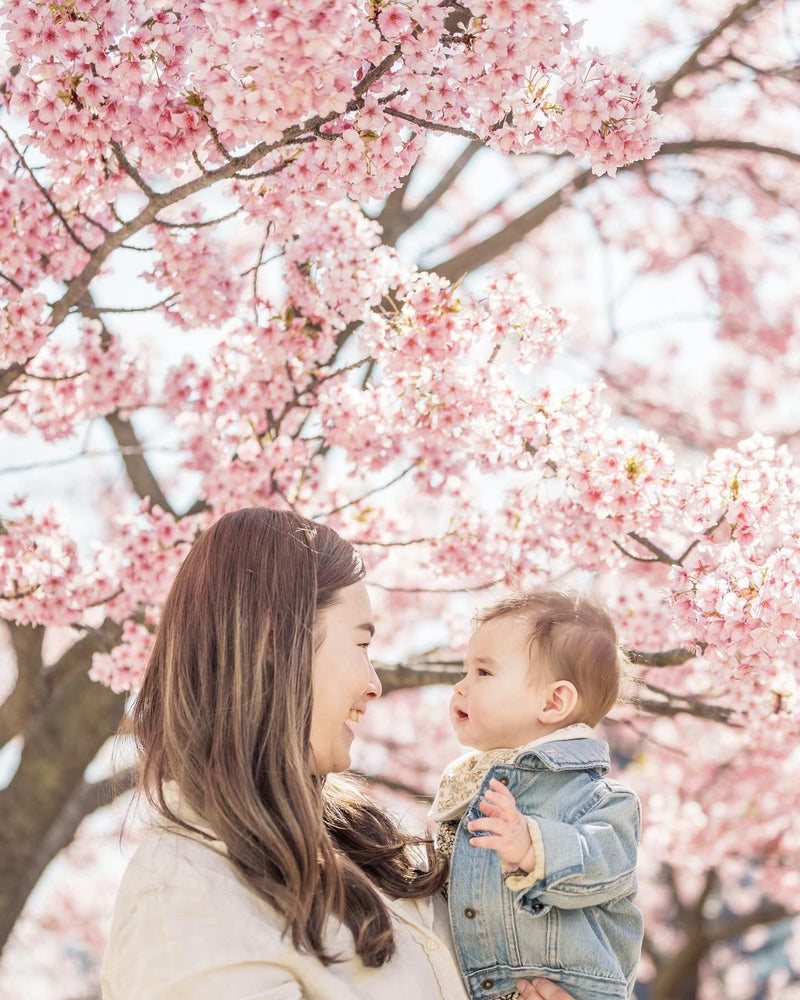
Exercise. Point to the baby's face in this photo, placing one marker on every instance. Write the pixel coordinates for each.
(497, 701)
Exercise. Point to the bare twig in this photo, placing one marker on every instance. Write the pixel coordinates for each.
(369, 493)
(431, 126)
(198, 225)
(94, 311)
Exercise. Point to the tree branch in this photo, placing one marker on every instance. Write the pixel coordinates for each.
(735, 927)
(76, 659)
(144, 483)
(95, 312)
(401, 676)
(395, 220)
(501, 242)
(392, 216)
(732, 145)
(665, 89)
(394, 786)
(678, 704)
(666, 658)
(369, 493)
(60, 743)
(87, 797)
(29, 690)
(430, 126)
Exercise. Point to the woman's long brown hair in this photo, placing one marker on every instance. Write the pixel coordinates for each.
(224, 711)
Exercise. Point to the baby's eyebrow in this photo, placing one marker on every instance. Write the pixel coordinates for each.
(485, 659)
(368, 627)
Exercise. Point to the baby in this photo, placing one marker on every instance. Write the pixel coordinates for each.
(542, 845)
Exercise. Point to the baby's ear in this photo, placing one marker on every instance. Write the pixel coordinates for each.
(561, 701)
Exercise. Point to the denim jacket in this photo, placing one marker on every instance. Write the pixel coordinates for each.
(576, 924)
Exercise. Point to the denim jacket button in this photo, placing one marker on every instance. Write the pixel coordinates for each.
(503, 779)
(537, 906)
(487, 984)
(469, 913)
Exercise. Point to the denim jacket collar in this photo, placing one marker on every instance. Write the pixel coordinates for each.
(570, 748)
(574, 748)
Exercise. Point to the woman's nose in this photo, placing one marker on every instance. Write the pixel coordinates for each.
(375, 687)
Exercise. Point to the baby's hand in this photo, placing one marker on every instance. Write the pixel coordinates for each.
(507, 829)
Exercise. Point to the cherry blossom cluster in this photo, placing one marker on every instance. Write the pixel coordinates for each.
(45, 580)
(594, 482)
(139, 86)
(193, 269)
(118, 78)
(729, 600)
(739, 588)
(634, 593)
(123, 667)
(535, 331)
(23, 330)
(337, 271)
(39, 568)
(606, 115)
(137, 570)
(735, 802)
(71, 382)
(32, 234)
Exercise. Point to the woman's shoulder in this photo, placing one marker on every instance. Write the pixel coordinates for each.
(181, 903)
(175, 872)
(168, 850)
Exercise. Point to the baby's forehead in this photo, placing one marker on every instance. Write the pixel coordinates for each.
(499, 636)
(513, 626)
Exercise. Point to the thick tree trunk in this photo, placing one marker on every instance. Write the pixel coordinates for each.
(679, 978)
(60, 743)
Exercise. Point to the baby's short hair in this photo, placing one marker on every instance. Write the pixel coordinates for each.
(576, 637)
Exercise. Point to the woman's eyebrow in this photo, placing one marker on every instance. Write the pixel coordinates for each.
(367, 626)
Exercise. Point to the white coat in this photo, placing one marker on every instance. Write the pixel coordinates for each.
(186, 927)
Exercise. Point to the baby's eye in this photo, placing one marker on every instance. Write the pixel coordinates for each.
(483, 673)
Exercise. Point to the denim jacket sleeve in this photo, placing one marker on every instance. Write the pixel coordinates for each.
(592, 858)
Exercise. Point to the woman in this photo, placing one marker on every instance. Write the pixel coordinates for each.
(268, 877)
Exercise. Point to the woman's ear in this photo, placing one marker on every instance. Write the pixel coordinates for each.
(561, 700)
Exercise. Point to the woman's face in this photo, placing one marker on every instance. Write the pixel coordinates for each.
(343, 677)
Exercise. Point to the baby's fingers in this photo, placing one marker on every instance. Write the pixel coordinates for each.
(492, 823)
(488, 808)
(500, 789)
(490, 842)
(504, 801)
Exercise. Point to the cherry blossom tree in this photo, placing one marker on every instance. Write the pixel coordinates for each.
(372, 261)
